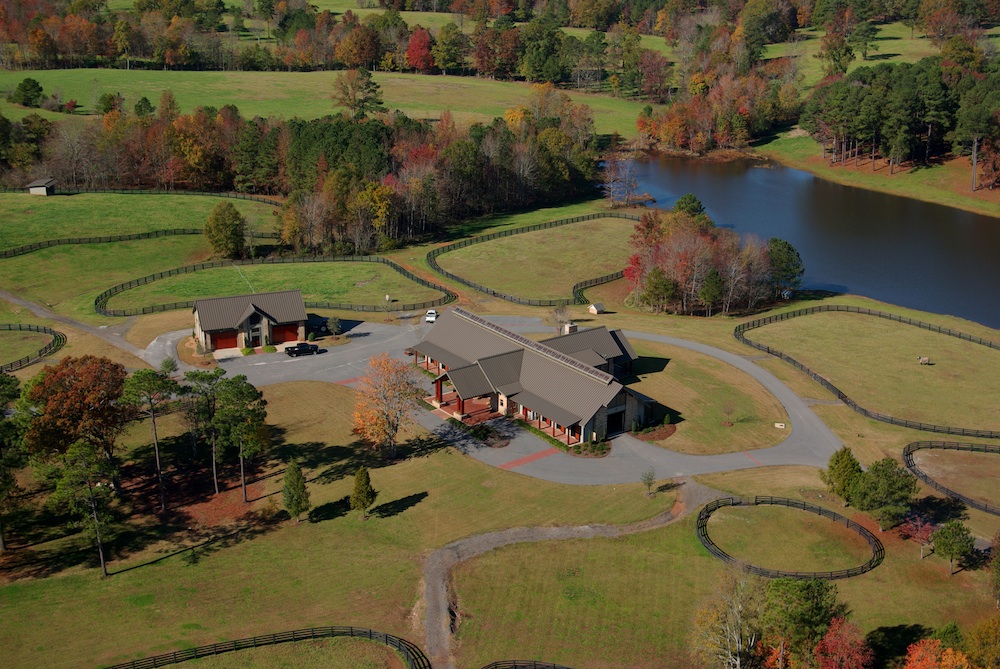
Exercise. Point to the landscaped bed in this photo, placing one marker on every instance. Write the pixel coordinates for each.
(557, 257)
(343, 282)
(699, 394)
(975, 475)
(874, 361)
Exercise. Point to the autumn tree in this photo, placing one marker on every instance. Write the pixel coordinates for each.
(78, 401)
(729, 626)
(149, 390)
(357, 92)
(450, 48)
(386, 395)
(226, 230)
(294, 493)
(240, 418)
(843, 647)
(932, 654)
(953, 541)
(835, 52)
(797, 615)
(840, 473)
(364, 494)
(919, 529)
(418, 52)
(982, 643)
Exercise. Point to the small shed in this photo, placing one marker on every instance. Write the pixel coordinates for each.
(42, 186)
(596, 308)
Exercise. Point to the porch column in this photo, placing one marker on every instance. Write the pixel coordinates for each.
(438, 390)
(414, 357)
(461, 406)
(553, 428)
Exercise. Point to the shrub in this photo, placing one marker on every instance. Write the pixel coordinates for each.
(270, 349)
(311, 336)
(27, 93)
(248, 350)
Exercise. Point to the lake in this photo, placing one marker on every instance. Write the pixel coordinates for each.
(889, 248)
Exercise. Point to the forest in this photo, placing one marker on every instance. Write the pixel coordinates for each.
(362, 179)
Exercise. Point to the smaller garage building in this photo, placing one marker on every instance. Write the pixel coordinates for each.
(245, 321)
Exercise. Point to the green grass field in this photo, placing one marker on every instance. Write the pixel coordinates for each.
(67, 278)
(334, 570)
(808, 542)
(972, 474)
(874, 361)
(27, 218)
(699, 390)
(344, 282)
(325, 654)
(16, 345)
(556, 258)
(306, 94)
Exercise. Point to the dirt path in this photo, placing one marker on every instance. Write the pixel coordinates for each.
(440, 620)
(112, 336)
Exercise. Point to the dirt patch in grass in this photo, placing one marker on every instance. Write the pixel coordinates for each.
(226, 508)
(973, 474)
(187, 351)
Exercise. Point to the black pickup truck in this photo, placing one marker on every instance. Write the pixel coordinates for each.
(301, 348)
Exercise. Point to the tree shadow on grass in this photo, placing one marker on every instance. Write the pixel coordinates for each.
(938, 510)
(346, 460)
(398, 506)
(890, 643)
(330, 510)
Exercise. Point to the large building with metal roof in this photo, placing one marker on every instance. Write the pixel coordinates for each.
(244, 321)
(569, 385)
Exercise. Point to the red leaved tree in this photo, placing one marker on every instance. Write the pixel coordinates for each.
(843, 647)
(418, 53)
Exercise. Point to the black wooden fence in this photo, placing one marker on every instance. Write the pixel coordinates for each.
(874, 415)
(577, 298)
(152, 191)
(878, 551)
(28, 248)
(915, 446)
(523, 664)
(412, 655)
(58, 339)
(101, 301)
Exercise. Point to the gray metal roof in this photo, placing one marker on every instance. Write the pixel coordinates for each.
(228, 313)
(469, 382)
(589, 356)
(625, 344)
(597, 339)
(538, 376)
(39, 183)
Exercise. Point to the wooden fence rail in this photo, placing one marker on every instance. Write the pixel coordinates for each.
(915, 446)
(58, 339)
(874, 415)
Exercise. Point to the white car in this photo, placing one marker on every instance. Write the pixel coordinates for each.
(431, 316)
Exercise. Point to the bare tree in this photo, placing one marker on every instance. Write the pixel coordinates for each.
(728, 627)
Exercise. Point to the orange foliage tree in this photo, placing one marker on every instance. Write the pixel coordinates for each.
(928, 654)
(385, 398)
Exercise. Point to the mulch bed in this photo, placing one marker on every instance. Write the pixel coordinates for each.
(659, 434)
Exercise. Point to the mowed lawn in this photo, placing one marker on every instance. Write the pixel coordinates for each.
(340, 653)
(903, 590)
(307, 94)
(975, 475)
(896, 43)
(332, 569)
(25, 219)
(67, 278)
(545, 264)
(343, 282)
(808, 542)
(874, 361)
(16, 345)
(699, 393)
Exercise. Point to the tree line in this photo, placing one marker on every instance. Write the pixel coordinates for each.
(681, 262)
(912, 113)
(357, 181)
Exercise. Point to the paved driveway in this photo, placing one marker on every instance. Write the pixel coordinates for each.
(338, 364)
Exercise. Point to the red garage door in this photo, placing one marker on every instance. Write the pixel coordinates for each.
(283, 333)
(224, 339)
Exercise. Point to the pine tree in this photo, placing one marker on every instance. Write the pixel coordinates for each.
(294, 493)
(364, 494)
(840, 473)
